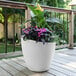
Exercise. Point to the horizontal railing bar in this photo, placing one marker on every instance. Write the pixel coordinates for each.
(21, 5)
(10, 54)
(19, 53)
(12, 4)
(55, 9)
(12, 7)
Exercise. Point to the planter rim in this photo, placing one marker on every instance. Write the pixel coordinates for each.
(38, 41)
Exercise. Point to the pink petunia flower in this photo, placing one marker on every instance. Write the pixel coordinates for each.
(36, 27)
(23, 29)
(26, 32)
(38, 30)
(39, 34)
(43, 30)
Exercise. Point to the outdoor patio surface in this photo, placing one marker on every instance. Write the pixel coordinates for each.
(64, 64)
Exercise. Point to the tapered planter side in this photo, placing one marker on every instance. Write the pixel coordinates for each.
(37, 55)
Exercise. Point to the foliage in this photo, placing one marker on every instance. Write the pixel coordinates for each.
(9, 48)
(38, 34)
(43, 32)
(10, 15)
(55, 3)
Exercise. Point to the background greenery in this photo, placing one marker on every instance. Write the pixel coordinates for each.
(8, 15)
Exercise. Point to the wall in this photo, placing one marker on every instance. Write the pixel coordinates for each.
(1, 31)
(10, 30)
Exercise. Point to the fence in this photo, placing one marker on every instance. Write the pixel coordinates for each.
(20, 11)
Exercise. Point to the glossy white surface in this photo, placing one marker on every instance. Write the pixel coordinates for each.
(37, 55)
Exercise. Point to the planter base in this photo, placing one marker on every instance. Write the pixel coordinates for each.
(37, 69)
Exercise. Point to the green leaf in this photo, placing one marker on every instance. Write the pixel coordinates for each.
(54, 21)
(23, 25)
(35, 11)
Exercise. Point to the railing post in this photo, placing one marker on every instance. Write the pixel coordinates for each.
(71, 30)
(5, 29)
(27, 17)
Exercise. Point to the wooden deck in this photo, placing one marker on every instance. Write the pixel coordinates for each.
(64, 64)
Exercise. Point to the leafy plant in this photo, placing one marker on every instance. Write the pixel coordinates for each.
(40, 29)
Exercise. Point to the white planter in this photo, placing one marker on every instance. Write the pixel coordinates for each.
(37, 56)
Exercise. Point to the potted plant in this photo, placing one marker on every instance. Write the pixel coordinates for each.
(38, 45)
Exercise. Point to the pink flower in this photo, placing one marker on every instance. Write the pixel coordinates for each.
(26, 32)
(39, 34)
(23, 29)
(36, 27)
(38, 30)
(43, 30)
